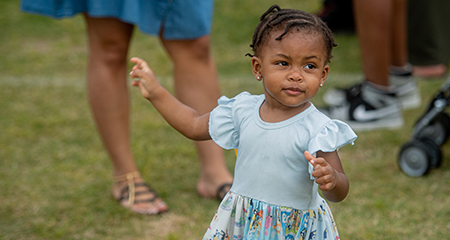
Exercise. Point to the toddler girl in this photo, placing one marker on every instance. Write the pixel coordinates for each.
(287, 149)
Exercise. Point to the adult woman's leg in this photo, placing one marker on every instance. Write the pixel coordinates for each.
(197, 85)
(109, 40)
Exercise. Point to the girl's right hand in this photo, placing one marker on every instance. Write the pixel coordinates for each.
(324, 173)
(329, 175)
(147, 82)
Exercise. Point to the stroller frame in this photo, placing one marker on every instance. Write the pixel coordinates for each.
(423, 153)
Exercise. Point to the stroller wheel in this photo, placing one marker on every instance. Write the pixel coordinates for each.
(415, 158)
(434, 150)
(438, 129)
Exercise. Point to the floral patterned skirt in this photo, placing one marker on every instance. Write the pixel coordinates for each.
(240, 217)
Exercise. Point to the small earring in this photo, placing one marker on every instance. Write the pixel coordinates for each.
(321, 85)
(258, 78)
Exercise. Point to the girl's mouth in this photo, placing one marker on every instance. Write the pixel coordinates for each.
(293, 91)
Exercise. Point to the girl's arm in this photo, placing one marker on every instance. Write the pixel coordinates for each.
(330, 175)
(181, 117)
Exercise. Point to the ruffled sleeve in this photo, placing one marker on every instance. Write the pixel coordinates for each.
(332, 136)
(223, 122)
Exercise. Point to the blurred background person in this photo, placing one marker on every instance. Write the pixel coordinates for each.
(388, 84)
(338, 15)
(428, 52)
(429, 37)
(183, 28)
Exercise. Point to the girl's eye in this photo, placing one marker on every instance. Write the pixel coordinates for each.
(282, 63)
(310, 66)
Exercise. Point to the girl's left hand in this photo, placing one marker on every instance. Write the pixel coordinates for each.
(324, 173)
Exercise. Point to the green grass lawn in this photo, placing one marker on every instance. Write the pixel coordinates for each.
(55, 178)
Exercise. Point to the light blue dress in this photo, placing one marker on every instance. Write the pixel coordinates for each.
(177, 19)
(273, 195)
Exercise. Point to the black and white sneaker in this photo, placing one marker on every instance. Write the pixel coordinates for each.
(403, 84)
(339, 96)
(369, 109)
(406, 88)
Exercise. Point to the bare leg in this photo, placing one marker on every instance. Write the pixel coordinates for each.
(108, 97)
(197, 85)
(373, 18)
(398, 31)
(389, 85)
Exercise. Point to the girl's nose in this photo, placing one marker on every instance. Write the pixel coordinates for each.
(295, 76)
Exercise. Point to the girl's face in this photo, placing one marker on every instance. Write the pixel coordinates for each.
(292, 69)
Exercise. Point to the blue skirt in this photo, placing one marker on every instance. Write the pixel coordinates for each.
(177, 19)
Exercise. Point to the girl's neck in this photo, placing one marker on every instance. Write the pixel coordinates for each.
(272, 114)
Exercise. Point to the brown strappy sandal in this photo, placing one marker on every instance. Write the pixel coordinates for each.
(128, 195)
(223, 190)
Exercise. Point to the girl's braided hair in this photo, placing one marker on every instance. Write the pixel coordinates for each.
(277, 18)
